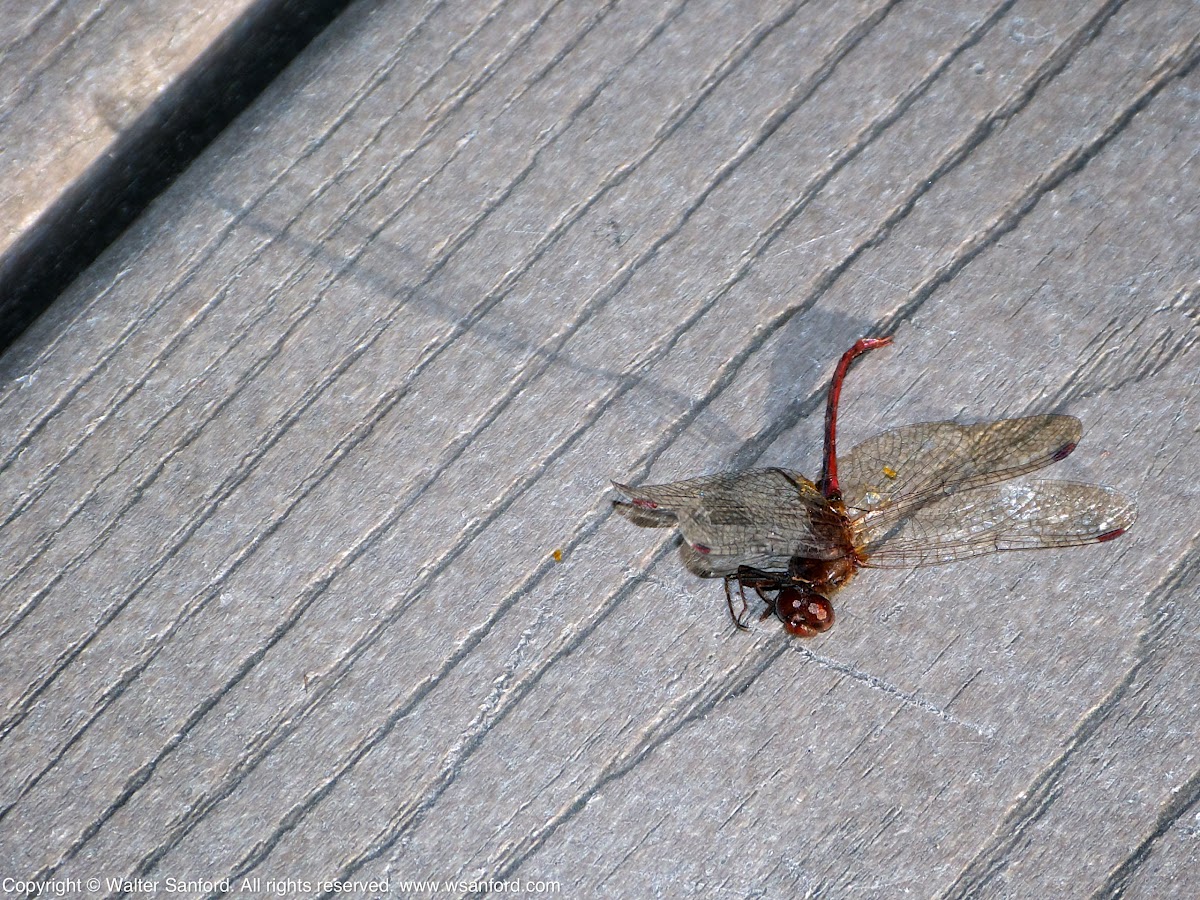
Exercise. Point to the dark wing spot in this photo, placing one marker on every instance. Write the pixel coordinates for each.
(1063, 452)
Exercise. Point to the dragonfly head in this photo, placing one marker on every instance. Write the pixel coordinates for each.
(804, 613)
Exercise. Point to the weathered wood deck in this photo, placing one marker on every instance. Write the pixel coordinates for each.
(284, 472)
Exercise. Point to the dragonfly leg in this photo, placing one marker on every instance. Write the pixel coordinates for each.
(739, 619)
(770, 604)
(760, 580)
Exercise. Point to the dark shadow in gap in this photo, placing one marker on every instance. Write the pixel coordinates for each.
(103, 202)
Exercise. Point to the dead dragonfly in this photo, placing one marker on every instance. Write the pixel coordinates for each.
(918, 495)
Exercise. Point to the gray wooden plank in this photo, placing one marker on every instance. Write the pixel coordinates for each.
(285, 472)
(74, 79)
(102, 104)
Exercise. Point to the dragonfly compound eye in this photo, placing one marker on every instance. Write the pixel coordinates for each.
(803, 612)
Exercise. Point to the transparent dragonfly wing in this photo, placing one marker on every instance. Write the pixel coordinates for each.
(994, 518)
(897, 472)
(760, 518)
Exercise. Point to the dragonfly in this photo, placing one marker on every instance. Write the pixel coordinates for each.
(919, 495)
